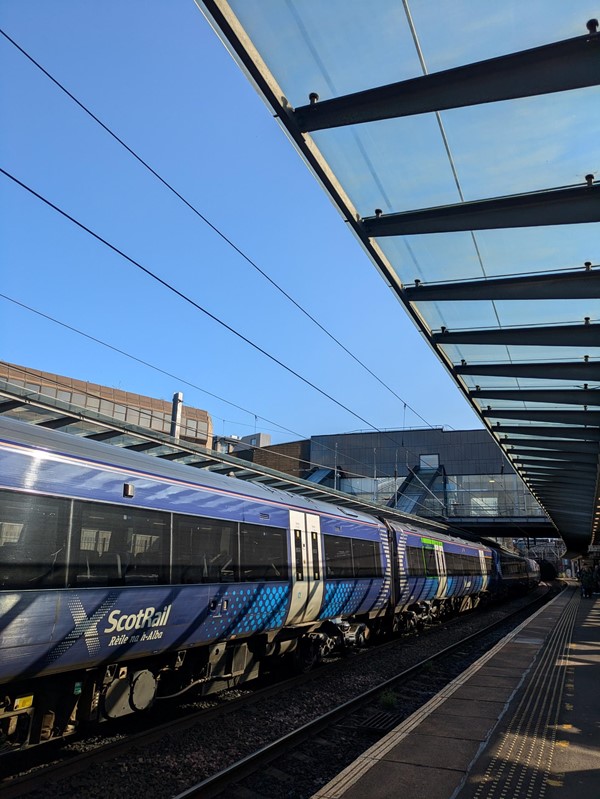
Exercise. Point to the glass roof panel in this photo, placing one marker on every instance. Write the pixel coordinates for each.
(28, 413)
(499, 382)
(483, 151)
(453, 314)
(545, 312)
(442, 257)
(496, 353)
(505, 147)
(394, 164)
(503, 313)
(328, 48)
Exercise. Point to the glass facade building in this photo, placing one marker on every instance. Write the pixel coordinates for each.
(459, 475)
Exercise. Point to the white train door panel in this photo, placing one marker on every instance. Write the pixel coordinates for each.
(306, 563)
(482, 564)
(440, 562)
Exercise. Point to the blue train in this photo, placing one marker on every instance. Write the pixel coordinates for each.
(125, 580)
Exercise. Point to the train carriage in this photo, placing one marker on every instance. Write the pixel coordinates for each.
(438, 574)
(135, 579)
(126, 579)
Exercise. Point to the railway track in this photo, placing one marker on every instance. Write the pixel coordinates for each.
(255, 773)
(49, 780)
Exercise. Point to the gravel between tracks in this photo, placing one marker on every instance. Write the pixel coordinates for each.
(169, 766)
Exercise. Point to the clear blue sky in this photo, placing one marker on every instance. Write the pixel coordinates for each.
(157, 75)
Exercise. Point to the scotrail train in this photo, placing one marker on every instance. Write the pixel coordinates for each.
(125, 579)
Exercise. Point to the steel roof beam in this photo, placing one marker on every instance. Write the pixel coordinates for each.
(554, 286)
(145, 446)
(585, 371)
(586, 335)
(562, 497)
(174, 456)
(587, 478)
(56, 424)
(557, 505)
(568, 417)
(560, 66)
(540, 482)
(556, 468)
(569, 522)
(587, 449)
(525, 459)
(566, 206)
(107, 435)
(10, 405)
(572, 527)
(546, 488)
(583, 482)
(587, 434)
(567, 396)
(586, 458)
(204, 463)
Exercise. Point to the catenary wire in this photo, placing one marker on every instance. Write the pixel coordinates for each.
(126, 354)
(170, 374)
(224, 237)
(196, 305)
(184, 297)
(230, 243)
(211, 225)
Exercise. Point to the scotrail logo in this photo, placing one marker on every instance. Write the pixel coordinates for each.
(142, 625)
(146, 618)
(86, 626)
(118, 621)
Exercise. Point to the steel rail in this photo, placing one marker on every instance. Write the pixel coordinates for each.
(217, 783)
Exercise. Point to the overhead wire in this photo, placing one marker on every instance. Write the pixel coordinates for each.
(446, 143)
(213, 227)
(219, 233)
(179, 379)
(231, 244)
(186, 298)
(184, 381)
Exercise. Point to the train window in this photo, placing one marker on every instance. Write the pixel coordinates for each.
(452, 563)
(431, 569)
(314, 538)
(205, 550)
(338, 556)
(414, 562)
(298, 554)
(263, 553)
(473, 565)
(366, 558)
(33, 536)
(112, 547)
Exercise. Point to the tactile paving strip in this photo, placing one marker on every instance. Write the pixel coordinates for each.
(520, 763)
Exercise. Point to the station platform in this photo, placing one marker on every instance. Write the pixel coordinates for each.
(522, 722)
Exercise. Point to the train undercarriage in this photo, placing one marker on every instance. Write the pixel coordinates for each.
(53, 708)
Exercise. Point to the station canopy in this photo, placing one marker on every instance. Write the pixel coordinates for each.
(461, 144)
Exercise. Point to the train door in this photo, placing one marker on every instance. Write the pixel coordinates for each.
(440, 562)
(484, 571)
(306, 562)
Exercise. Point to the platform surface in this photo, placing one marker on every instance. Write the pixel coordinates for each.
(524, 721)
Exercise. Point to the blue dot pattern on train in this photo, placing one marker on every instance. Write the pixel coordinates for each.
(250, 610)
(342, 597)
(430, 587)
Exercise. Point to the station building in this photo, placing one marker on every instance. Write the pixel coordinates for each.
(194, 425)
(459, 476)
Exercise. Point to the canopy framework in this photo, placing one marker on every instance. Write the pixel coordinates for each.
(477, 208)
(25, 405)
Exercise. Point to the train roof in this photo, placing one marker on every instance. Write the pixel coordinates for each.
(96, 452)
(328, 500)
